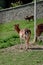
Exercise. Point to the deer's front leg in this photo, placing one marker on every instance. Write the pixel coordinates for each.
(21, 46)
(27, 44)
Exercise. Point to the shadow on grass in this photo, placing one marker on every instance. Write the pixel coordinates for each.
(36, 48)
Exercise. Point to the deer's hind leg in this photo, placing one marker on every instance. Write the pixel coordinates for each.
(27, 43)
(27, 40)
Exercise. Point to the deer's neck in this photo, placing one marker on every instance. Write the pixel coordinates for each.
(18, 29)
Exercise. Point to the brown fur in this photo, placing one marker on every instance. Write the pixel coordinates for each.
(29, 17)
(39, 30)
(23, 33)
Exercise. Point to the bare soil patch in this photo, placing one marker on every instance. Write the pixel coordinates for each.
(17, 48)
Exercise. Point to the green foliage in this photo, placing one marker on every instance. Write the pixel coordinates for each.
(16, 4)
(1, 8)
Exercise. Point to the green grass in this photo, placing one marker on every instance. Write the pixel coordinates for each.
(9, 37)
(39, 21)
(21, 58)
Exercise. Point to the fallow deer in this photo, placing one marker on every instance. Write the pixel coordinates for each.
(24, 34)
(39, 30)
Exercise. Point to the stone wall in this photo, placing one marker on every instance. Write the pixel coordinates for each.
(39, 9)
(20, 12)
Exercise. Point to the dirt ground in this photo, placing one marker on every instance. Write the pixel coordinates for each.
(18, 49)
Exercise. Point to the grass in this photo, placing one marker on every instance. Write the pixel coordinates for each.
(39, 21)
(21, 58)
(9, 37)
